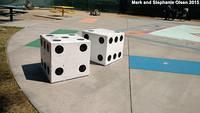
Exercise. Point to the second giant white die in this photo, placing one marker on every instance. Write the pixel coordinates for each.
(106, 45)
(64, 56)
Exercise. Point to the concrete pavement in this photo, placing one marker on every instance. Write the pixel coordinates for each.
(104, 90)
(163, 92)
(114, 88)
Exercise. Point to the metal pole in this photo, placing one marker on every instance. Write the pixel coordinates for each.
(11, 14)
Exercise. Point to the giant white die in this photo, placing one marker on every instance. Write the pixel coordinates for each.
(106, 45)
(64, 56)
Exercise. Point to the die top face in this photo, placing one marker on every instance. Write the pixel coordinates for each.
(64, 38)
(104, 32)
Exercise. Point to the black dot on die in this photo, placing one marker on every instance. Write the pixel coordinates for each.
(59, 71)
(41, 42)
(80, 39)
(121, 38)
(100, 57)
(65, 37)
(119, 54)
(45, 66)
(44, 45)
(109, 57)
(49, 35)
(48, 70)
(110, 40)
(101, 40)
(114, 56)
(59, 49)
(86, 36)
(41, 61)
(56, 40)
(48, 47)
(116, 39)
(83, 47)
(82, 68)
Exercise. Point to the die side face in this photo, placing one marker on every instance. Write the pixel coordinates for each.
(98, 47)
(107, 45)
(45, 56)
(69, 58)
(115, 47)
(74, 60)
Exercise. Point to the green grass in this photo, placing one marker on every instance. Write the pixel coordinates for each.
(12, 99)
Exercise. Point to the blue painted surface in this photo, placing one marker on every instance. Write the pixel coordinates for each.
(164, 65)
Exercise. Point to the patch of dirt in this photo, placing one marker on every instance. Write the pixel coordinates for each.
(12, 99)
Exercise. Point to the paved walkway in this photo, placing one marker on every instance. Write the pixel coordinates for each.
(114, 88)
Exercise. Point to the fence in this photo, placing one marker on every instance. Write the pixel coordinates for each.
(105, 5)
(38, 3)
